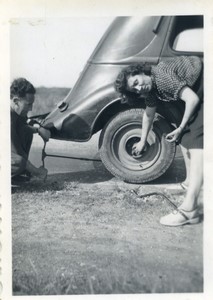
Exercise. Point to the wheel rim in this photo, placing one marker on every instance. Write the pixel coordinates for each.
(123, 140)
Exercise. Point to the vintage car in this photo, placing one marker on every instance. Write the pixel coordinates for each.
(93, 104)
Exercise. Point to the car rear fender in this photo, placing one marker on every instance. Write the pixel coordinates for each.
(106, 113)
(172, 112)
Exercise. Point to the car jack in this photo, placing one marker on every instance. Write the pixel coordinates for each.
(158, 194)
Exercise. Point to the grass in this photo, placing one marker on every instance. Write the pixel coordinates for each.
(47, 98)
(73, 238)
(84, 233)
(91, 280)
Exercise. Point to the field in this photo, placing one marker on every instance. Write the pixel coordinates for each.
(85, 232)
(75, 236)
(47, 98)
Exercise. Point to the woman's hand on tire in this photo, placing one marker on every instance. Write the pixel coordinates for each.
(174, 135)
(138, 148)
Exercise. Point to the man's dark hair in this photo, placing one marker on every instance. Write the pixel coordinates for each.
(20, 87)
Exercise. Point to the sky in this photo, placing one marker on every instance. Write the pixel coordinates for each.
(52, 52)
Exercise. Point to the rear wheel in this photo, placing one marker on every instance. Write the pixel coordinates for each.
(117, 139)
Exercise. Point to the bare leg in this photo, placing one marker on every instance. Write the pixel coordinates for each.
(195, 180)
(187, 212)
(186, 157)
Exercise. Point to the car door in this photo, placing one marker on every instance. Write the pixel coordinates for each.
(184, 37)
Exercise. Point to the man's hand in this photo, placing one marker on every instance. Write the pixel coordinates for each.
(138, 148)
(41, 173)
(44, 133)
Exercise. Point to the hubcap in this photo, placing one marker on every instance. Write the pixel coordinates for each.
(124, 139)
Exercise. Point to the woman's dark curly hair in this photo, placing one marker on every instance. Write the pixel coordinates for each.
(121, 80)
(20, 87)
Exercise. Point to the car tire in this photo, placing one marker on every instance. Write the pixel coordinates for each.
(118, 137)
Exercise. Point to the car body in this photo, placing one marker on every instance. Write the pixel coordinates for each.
(93, 101)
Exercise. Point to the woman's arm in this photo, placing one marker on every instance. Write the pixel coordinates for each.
(147, 121)
(191, 100)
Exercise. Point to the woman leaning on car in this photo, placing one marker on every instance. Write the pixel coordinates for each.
(172, 80)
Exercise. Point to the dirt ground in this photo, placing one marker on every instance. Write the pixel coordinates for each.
(86, 232)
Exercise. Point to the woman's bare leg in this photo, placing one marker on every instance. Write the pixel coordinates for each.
(195, 180)
(187, 212)
(186, 157)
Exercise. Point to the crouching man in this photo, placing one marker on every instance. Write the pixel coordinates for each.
(22, 94)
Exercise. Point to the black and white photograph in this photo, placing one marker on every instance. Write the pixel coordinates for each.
(106, 170)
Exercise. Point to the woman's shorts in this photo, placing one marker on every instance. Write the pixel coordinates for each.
(193, 135)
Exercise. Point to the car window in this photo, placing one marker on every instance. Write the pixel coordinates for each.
(189, 40)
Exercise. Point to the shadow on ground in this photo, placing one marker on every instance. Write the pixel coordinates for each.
(176, 173)
(60, 181)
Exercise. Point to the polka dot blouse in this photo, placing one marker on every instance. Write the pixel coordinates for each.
(170, 76)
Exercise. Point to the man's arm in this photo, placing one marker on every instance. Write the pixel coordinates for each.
(19, 164)
(43, 132)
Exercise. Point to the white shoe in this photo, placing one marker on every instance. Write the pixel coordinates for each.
(181, 217)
